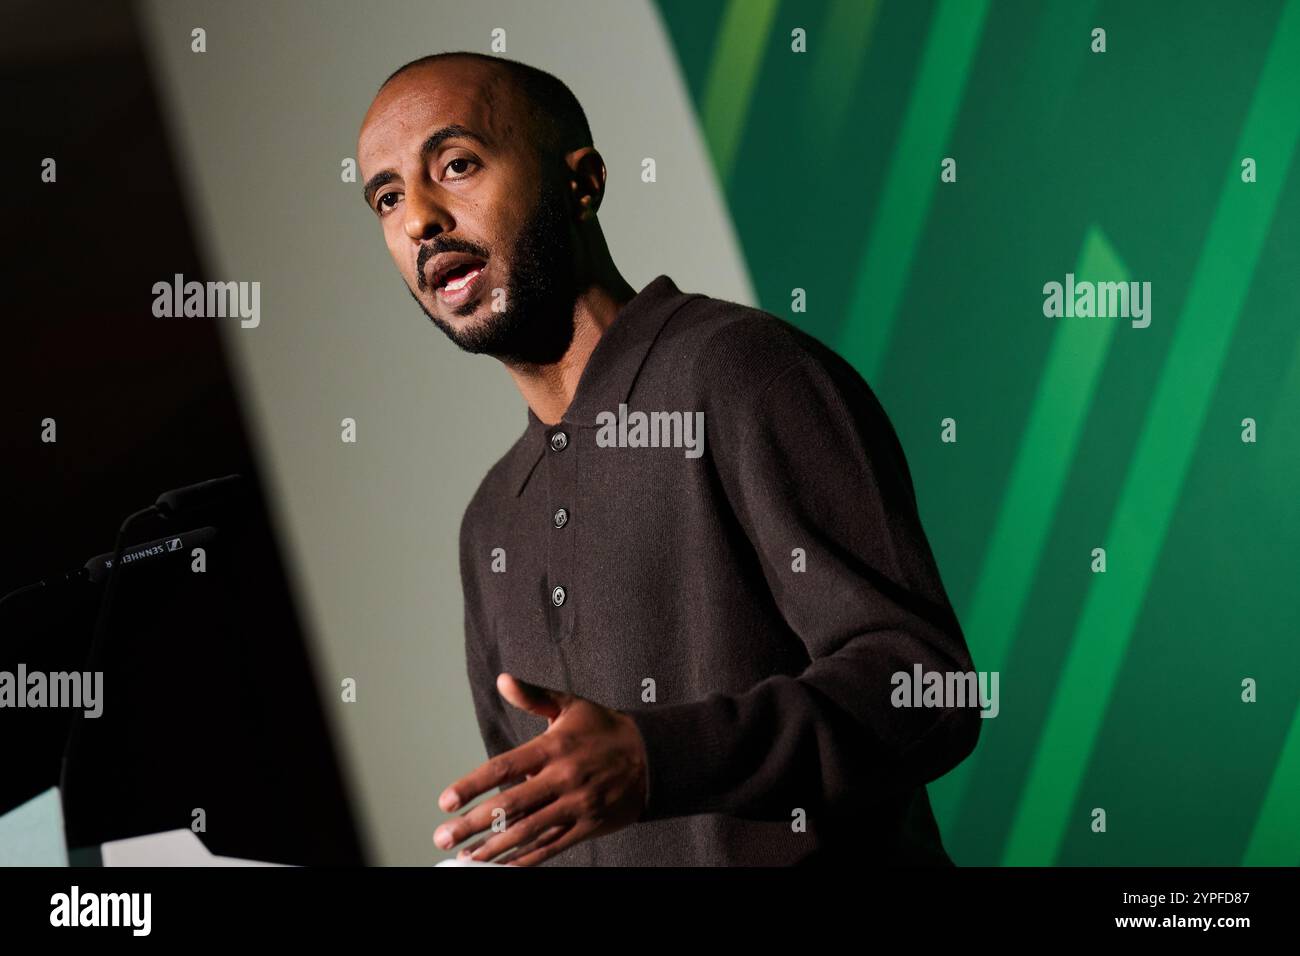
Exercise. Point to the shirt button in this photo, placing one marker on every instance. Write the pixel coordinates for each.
(561, 518)
(559, 441)
(557, 596)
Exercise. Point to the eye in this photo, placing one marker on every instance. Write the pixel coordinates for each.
(460, 167)
(384, 205)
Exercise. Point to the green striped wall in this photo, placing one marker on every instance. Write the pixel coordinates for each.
(1120, 691)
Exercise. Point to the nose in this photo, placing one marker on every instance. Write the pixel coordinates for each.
(425, 216)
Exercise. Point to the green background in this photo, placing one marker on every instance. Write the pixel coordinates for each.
(1119, 690)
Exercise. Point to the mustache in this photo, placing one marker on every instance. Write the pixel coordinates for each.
(443, 244)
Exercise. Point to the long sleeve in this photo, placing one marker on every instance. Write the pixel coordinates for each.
(811, 462)
(481, 661)
(489, 708)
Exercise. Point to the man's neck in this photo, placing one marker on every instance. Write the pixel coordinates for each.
(549, 389)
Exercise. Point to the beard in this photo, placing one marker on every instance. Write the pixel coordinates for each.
(536, 325)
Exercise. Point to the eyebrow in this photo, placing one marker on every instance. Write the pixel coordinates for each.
(436, 139)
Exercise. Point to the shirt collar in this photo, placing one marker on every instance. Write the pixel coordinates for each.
(611, 369)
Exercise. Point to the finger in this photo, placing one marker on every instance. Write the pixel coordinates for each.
(515, 803)
(578, 832)
(529, 828)
(504, 768)
(533, 698)
(550, 835)
(469, 848)
(464, 852)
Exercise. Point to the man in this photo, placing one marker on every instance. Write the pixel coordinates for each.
(690, 582)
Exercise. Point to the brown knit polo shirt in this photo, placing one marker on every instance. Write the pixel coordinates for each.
(746, 592)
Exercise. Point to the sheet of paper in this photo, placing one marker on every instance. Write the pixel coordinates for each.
(170, 848)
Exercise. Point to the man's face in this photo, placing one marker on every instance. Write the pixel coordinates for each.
(479, 230)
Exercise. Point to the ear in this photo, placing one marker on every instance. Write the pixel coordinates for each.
(586, 181)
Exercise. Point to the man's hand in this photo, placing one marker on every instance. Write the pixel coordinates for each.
(584, 776)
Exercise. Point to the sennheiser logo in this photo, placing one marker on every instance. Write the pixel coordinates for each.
(144, 553)
(75, 908)
(152, 551)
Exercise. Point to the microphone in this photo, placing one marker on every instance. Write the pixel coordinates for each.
(173, 504)
(98, 567)
(94, 571)
(205, 494)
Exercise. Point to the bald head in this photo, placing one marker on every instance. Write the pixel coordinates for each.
(556, 121)
(486, 187)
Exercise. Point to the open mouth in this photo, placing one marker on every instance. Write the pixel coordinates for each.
(455, 277)
(461, 286)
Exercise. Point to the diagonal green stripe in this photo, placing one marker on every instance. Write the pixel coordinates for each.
(1159, 466)
(841, 47)
(1054, 76)
(1276, 837)
(733, 73)
(1047, 449)
(910, 182)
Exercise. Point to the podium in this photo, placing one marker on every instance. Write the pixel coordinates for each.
(209, 700)
(33, 835)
